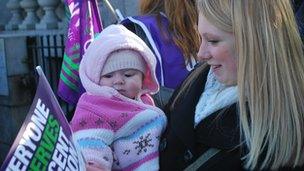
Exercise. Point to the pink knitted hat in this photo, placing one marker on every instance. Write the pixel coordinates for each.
(124, 59)
(115, 38)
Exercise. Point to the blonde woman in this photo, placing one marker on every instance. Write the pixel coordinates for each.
(169, 27)
(243, 109)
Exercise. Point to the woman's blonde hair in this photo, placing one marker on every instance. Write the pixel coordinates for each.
(182, 15)
(270, 77)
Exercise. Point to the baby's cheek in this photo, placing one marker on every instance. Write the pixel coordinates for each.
(136, 86)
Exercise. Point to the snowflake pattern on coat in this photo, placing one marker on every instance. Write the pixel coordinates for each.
(143, 143)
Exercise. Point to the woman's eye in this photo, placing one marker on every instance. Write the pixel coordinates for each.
(213, 42)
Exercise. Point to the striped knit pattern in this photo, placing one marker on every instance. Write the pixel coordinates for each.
(118, 133)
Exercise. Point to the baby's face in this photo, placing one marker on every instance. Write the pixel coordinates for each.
(127, 82)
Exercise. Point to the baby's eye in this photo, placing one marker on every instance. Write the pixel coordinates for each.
(107, 76)
(129, 74)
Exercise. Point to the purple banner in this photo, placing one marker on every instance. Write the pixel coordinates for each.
(84, 24)
(44, 141)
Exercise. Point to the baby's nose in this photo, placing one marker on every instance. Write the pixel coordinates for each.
(118, 80)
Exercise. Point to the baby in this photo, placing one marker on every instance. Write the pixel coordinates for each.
(115, 123)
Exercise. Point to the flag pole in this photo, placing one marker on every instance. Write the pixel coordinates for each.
(117, 14)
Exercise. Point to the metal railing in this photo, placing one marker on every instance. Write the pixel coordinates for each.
(47, 51)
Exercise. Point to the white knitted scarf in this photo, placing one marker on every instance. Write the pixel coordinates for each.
(214, 97)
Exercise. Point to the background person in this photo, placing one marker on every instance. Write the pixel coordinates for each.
(169, 27)
(299, 10)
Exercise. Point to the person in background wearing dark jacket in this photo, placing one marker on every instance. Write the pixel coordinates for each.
(169, 27)
(243, 109)
(299, 10)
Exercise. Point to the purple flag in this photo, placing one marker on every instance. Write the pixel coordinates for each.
(84, 24)
(44, 141)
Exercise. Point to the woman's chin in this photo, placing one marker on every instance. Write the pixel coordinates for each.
(227, 82)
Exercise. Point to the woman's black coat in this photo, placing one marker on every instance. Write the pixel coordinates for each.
(181, 144)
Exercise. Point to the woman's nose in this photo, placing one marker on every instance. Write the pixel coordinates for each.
(203, 53)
